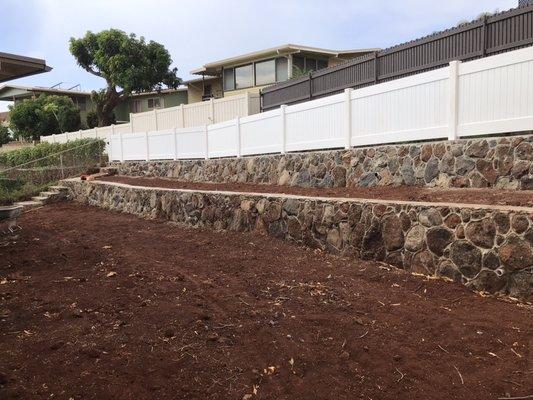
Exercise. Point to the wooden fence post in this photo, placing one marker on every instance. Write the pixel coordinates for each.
(282, 113)
(348, 116)
(309, 77)
(453, 99)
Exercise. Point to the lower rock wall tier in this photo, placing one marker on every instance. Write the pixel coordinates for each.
(486, 248)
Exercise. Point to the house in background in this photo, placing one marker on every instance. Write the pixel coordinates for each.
(253, 71)
(138, 102)
(141, 102)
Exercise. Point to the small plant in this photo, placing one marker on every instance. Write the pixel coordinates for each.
(298, 72)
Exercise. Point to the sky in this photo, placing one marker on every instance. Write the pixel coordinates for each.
(198, 32)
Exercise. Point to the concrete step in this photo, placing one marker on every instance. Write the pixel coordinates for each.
(49, 193)
(28, 205)
(42, 199)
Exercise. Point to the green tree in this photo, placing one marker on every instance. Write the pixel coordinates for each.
(43, 116)
(127, 63)
(4, 135)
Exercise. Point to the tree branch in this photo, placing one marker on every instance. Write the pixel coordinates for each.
(92, 71)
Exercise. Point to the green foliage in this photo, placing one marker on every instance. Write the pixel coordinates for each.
(17, 190)
(92, 119)
(43, 116)
(82, 149)
(299, 72)
(127, 63)
(4, 135)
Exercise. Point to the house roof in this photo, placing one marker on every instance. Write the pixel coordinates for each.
(13, 66)
(7, 92)
(278, 50)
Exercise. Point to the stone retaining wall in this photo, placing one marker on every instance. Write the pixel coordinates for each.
(486, 248)
(503, 162)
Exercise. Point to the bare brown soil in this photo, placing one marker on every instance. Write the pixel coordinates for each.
(101, 305)
(406, 193)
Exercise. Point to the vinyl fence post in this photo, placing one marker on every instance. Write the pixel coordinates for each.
(453, 100)
(155, 119)
(79, 134)
(348, 116)
(96, 132)
(212, 106)
(282, 113)
(131, 123)
(175, 141)
(66, 136)
(53, 138)
(206, 142)
(121, 147)
(247, 99)
(112, 130)
(182, 116)
(238, 127)
(147, 146)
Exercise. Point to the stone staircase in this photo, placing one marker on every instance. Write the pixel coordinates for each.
(52, 195)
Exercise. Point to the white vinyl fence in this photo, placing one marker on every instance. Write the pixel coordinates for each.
(480, 97)
(183, 116)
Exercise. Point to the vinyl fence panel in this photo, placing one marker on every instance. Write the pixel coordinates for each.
(261, 133)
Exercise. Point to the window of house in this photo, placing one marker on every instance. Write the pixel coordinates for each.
(154, 103)
(321, 64)
(229, 79)
(308, 63)
(282, 72)
(135, 106)
(265, 72)
(298, 62)
(82, 103)
(244, 76)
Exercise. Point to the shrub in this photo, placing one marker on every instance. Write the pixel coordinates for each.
(4, 135)
(43, 116)
(92, 119)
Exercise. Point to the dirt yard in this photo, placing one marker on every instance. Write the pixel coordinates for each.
(100, 305)
(406, 193)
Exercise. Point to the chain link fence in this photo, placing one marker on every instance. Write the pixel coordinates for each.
(28, 178)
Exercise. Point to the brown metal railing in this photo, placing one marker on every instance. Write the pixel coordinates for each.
(480, 38)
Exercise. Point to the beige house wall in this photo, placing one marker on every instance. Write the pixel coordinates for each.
(195, 90)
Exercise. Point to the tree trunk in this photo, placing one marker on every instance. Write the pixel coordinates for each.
(105, 109)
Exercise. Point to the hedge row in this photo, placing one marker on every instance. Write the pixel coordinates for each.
(76, 149)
